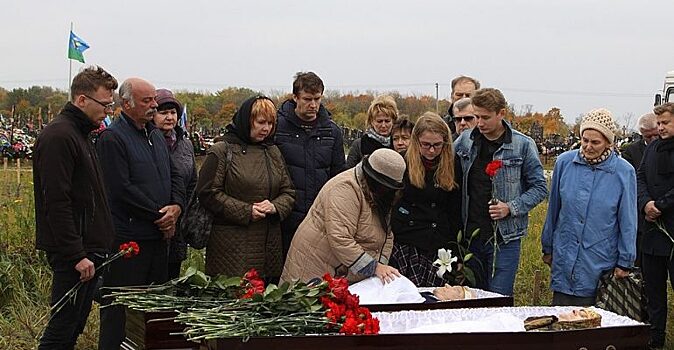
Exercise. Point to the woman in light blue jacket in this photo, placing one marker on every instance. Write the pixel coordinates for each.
(591, 224)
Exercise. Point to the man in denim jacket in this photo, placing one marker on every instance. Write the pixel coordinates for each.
(499, 206)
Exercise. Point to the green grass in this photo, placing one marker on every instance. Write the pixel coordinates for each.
(25, 277)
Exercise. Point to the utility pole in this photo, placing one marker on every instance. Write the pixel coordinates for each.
(437, 99)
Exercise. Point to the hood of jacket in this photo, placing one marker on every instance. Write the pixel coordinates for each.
(288, 111)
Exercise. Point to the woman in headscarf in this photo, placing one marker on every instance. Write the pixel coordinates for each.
(244, 182)
(347, 231)
(182, 157)
(428, 216)
(591, 224)
(381, 115)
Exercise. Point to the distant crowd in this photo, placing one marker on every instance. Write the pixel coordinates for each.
(277, 192)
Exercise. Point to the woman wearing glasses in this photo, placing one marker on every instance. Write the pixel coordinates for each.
(381, 115)
(428, 216)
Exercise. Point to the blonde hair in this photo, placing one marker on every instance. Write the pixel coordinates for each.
(444, 175)
(382, 104)
(263, 107)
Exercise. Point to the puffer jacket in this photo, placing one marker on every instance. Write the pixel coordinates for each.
(257, 172)
(182, 156)
(341, 234)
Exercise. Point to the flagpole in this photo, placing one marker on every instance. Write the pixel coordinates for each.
(70, 71)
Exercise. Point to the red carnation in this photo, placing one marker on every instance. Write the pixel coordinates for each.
(130, 249)
(493, 167)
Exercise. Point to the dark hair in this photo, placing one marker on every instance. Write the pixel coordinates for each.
(462, 78)
(402, 124)
(489, 99)
(90, 79)
(307, 82)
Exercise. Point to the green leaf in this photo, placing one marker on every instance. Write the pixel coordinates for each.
(199, 279)
(313, 292)
(224, 282)
(470, 276)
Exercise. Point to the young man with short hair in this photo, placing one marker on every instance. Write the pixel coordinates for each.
(312, 146)
(72, 218)
(518, 186)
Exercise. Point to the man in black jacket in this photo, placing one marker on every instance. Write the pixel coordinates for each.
(312, 146)
(633, 153)
(462, 87)
(72, 217)
(655, 194)
(145, 205)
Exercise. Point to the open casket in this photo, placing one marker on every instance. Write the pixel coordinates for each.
(405, 330)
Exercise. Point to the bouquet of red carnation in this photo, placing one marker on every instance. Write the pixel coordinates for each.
(343, 308)
(252, 283)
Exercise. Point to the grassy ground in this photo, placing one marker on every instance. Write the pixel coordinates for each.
(25, 277)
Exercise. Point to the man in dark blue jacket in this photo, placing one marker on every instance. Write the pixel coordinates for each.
(139, 176)
(655, 196)
(312, 145)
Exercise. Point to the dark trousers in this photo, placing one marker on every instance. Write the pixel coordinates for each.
(562, 299)
(174, 269)
(655, 270)
(65, 327)
(149, 266)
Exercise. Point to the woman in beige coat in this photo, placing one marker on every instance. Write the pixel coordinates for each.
(347, 230)
(244, 182)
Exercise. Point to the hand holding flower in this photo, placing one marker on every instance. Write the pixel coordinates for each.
(498, 210)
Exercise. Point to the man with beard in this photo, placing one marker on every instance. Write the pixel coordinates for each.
(139, 176)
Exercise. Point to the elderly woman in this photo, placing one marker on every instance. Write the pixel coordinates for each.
(182, 157)
(401, 134)
(428, 216)
(244, 182)
(347, 230)
(591, 224)
(381, 115)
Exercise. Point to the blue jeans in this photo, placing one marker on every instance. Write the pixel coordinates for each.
(507, 261)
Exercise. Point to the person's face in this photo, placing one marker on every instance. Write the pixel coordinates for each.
(465, 119)
(649, 135)
(462, 89)
(574, 315)
(431, 144)
(97, 105)
(382, 124)
(145, 105)
(593, 143)
(261, 128)
(488, 122)
(665, 125)
(166, 120)
(401, 140)
(307, 105)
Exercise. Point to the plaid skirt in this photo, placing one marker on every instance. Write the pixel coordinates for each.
(416, 266)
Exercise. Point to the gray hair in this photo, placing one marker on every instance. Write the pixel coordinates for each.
(461, 104)
(125, 92)
(647, 122)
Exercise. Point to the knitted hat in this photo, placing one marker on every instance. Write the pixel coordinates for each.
(166, 97)
(599, 119)
(386, 166)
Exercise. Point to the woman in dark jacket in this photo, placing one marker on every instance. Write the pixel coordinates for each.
(381, 115)
(248, 197)
(182, 158)
(428, 216)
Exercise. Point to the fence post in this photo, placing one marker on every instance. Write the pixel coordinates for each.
(18, 170)
(537, 292)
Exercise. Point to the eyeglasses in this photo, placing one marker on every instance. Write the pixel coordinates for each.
(110, 105)
(435, 146)
(468, 118)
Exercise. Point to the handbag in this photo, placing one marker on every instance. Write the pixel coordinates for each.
(197, 223)
(625, 296)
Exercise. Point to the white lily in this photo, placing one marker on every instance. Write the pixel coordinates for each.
(444, 261)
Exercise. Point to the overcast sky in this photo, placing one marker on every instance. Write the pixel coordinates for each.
(573, 54)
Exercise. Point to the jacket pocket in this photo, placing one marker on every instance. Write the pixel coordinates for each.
(512, 169)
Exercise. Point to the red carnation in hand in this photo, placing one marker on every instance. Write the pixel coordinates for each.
(493, 167)
(130, 248)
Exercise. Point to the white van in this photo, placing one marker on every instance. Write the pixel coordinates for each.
(667, 94)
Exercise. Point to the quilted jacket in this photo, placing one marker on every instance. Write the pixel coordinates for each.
(340, 235)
